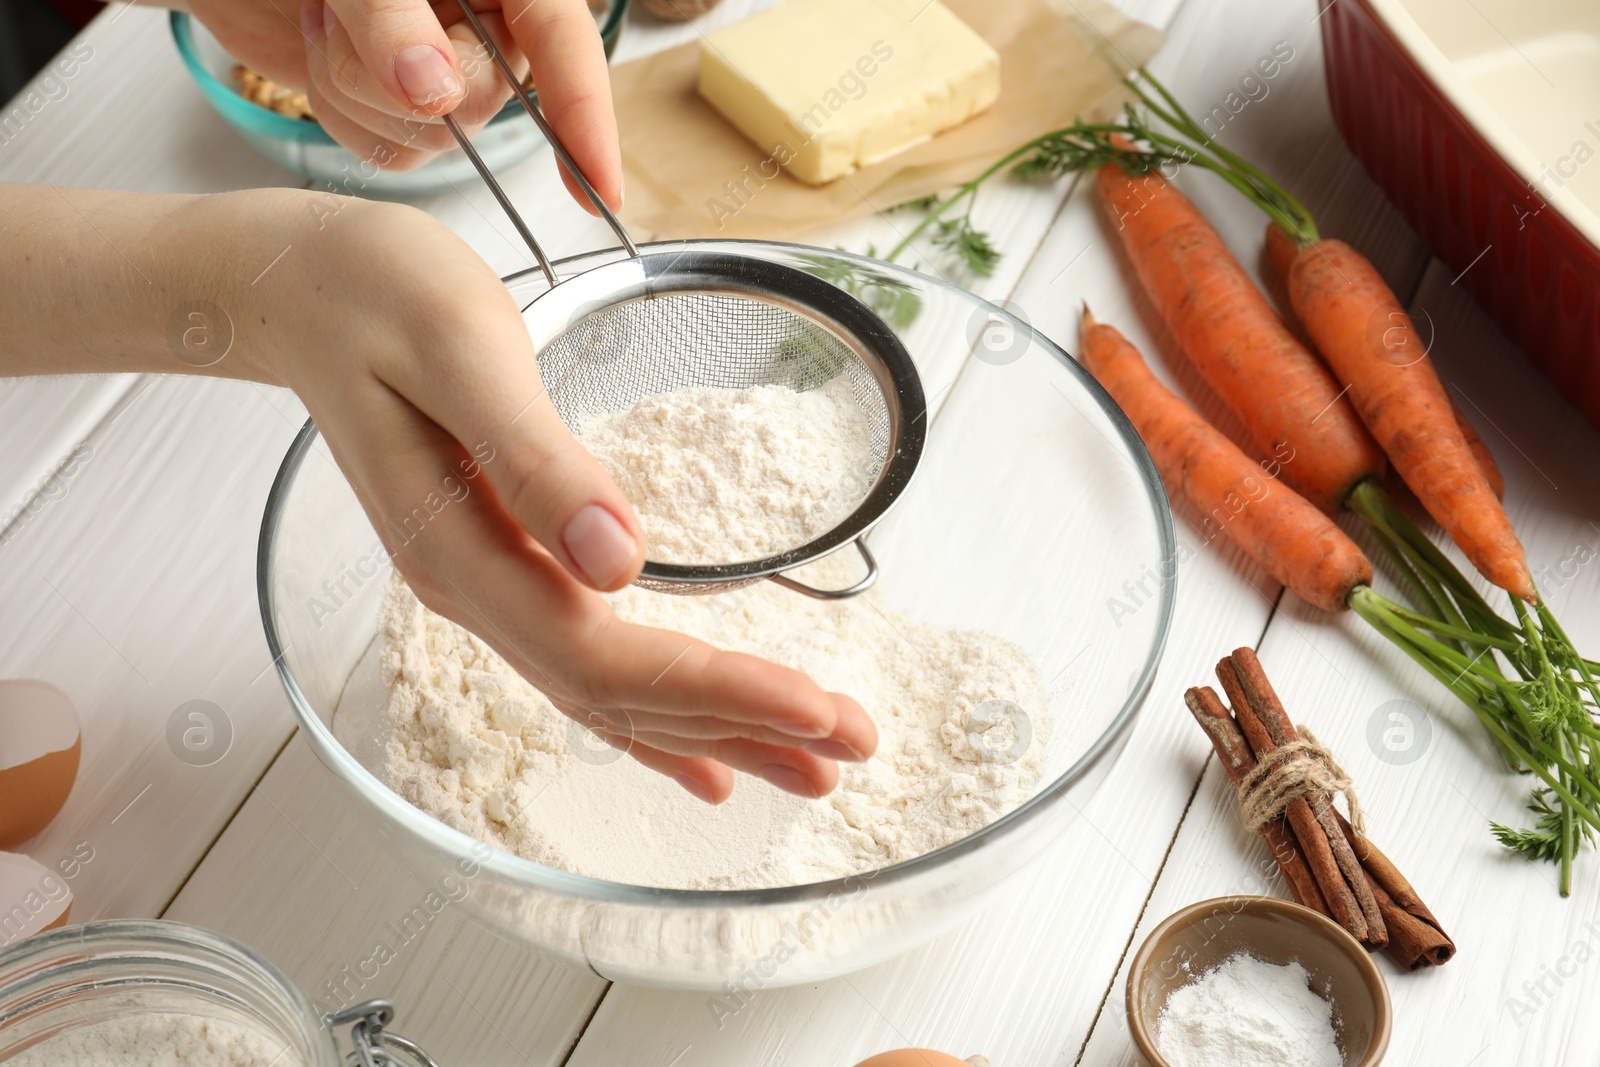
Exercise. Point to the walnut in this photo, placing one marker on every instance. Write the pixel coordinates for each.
(270, 95)
(678, 10)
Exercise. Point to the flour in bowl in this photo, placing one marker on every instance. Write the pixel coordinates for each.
(157, 1039)
(960, 713)
(729, 475)
(1246, 1012)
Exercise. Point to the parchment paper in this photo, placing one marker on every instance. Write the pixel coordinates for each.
(1059, 59)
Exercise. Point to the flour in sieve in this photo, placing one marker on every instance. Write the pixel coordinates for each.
(960, 715)
(157, 1039)
(728, 475)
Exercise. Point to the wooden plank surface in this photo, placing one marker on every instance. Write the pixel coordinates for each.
(132, 587)
(132, 591)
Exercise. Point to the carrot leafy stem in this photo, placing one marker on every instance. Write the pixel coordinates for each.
(1545, 705)
(970, 244)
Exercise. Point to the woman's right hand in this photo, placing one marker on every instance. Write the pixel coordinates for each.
(380, 76)
(415, 362)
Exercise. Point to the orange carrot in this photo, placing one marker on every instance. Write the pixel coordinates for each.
(1280, 391)
(1281, 253)
(1367, 338)
(1281, 250)
(1480, 453)
(1297, 544)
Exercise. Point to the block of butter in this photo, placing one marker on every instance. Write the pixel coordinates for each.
(826, 86)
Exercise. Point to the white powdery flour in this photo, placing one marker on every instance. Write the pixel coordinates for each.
(728, 475)
(1246, 1012)
(960, 715)
(157, 1039)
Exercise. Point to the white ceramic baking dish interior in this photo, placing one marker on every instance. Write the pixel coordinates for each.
(1036, 514)
(1500, 63)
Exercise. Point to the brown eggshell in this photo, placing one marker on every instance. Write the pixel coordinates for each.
(912, 1057)
(33, 898)
(40, 745)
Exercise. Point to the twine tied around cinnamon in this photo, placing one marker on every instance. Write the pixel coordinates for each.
(1275, 783)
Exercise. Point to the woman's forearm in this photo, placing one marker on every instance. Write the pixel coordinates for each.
(97, 281)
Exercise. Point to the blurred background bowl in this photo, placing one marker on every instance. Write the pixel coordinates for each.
(1481, 121)
(305, 147)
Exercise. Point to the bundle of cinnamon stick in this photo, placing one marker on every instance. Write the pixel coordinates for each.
(1329, 865)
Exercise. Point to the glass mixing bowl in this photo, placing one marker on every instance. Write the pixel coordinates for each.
(1054, 534)
(305, 147)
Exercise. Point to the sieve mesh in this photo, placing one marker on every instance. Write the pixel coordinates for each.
(669, 341)
(666, 342)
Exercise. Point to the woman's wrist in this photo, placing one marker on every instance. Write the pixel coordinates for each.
(256, 281)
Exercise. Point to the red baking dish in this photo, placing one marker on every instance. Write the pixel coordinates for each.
(1481, 121)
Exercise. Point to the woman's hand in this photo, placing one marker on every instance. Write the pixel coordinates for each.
(381, 73)
(414, 360)
(416, 365)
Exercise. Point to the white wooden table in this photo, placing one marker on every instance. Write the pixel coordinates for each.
(131, 586)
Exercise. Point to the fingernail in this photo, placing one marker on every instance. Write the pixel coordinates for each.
(694, 787)
(788, 779)
(311, 19)
(801, 729)
(830, 749)
(599, 545)
(330, 21)
(425, 74)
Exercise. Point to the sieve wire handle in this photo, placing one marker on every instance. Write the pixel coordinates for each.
(837, 594)
(505, 201)
(555, 146)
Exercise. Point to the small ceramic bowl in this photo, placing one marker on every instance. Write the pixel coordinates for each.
(1200, 936)
(307, 149)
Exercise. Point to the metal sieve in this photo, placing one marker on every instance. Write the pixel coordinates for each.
(664, 320)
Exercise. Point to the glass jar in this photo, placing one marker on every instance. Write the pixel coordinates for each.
(85, 975)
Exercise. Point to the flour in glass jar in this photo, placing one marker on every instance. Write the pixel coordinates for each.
(960, 713)
(157, 1039)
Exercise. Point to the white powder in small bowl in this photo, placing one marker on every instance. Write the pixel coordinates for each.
(157, 1039)
(1246, 1012)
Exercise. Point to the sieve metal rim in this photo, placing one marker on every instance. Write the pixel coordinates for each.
(648, 275)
